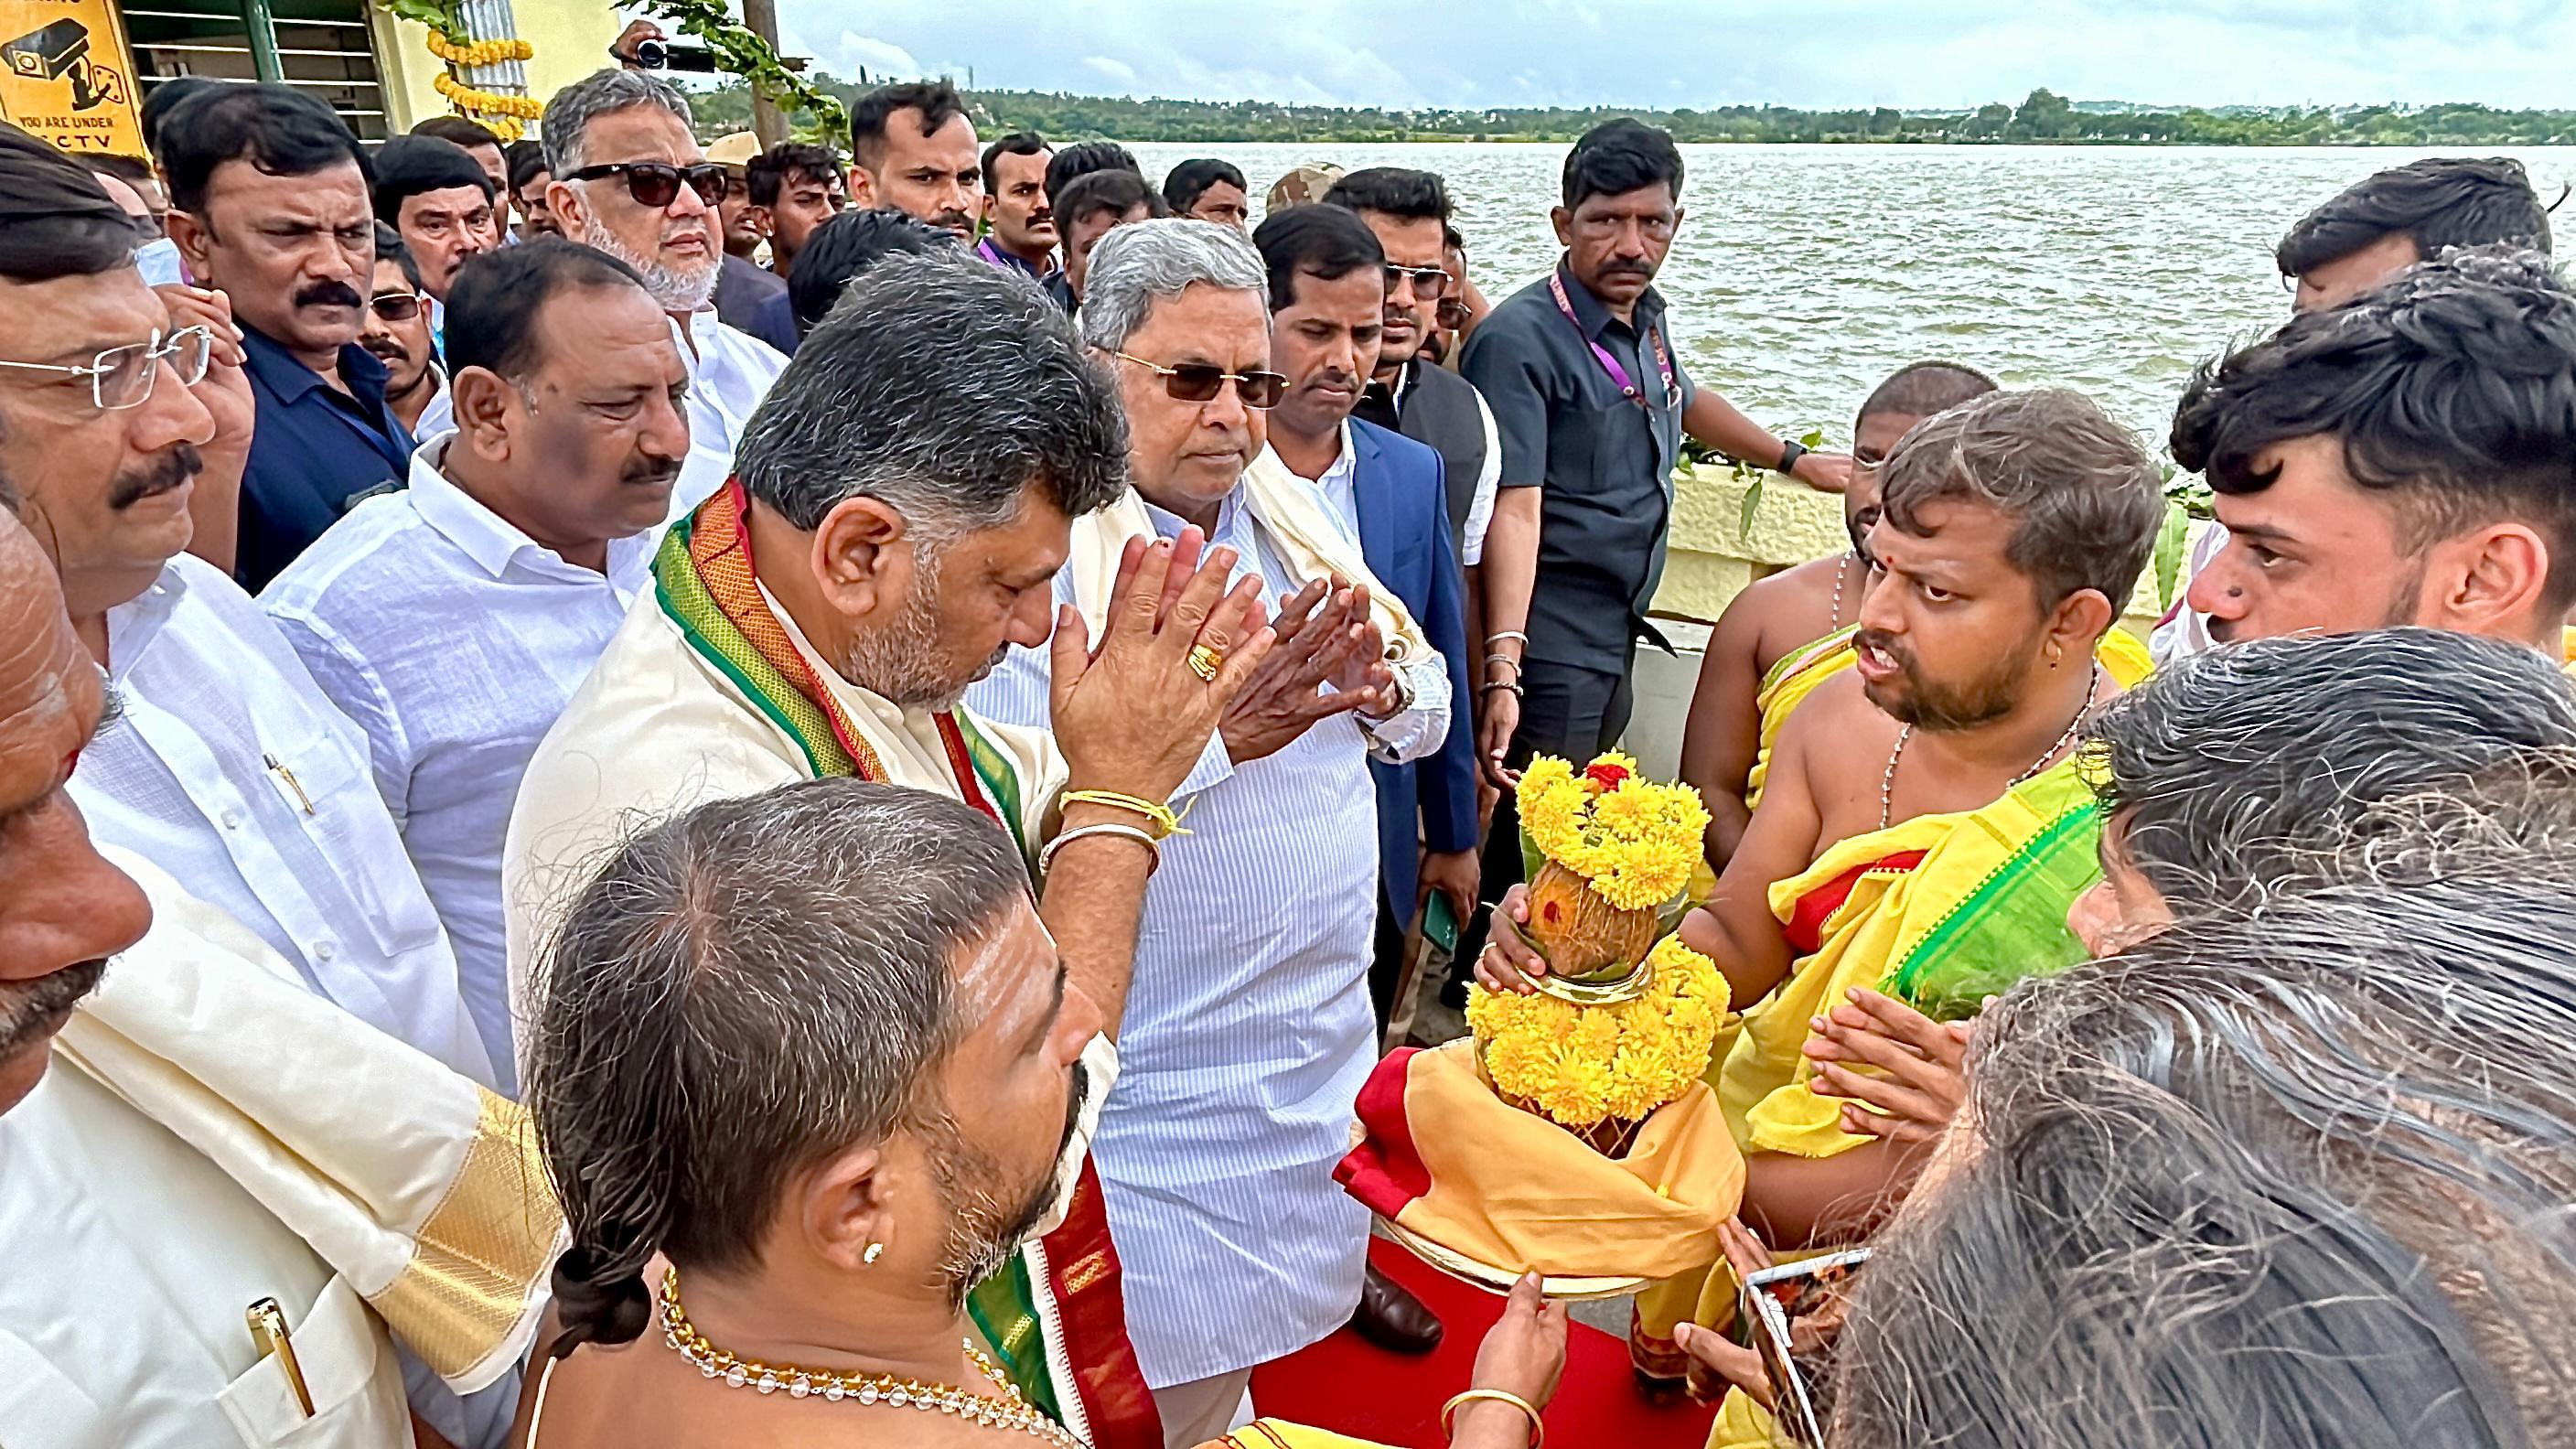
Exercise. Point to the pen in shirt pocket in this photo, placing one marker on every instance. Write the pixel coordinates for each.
(278, 769)
(268, 1335)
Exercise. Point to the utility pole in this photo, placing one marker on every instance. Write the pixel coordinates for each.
(767, 121)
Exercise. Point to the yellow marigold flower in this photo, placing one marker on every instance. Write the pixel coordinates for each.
(1580, 1065)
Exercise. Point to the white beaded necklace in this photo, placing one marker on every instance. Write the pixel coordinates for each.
(1887, 781)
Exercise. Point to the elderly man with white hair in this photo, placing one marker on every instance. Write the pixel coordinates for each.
(630, 179)
(1249, 1029)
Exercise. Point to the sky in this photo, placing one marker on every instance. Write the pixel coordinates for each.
(1817, 54)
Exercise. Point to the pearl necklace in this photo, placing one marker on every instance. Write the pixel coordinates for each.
(1006, 1411)
(1841, 571)
(1887, 781)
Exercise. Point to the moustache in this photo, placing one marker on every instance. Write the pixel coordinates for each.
(953, 220)
(165, 472)
(1041, 217)
(329, 294)
(384, 349)
(1886, 644)
(34, 1011)
(652, 472)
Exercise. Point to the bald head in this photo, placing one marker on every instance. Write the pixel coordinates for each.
(63, 909)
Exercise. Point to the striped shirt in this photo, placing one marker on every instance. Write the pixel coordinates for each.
(1248, 1029)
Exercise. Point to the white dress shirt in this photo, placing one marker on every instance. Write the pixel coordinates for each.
(1248, 1029)
(453, 639)
(233, 772)
(2184, 631)
(1426, 679)
(132, 1258)
(729, 373)
(1480, 504)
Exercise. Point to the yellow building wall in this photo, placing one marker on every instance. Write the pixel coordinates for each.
(570, 37)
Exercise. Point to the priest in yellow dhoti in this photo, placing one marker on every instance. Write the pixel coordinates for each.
(230, 1210)
(900, 507)
(1923, 831)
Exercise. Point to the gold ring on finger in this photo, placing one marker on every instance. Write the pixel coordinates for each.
(1205, 662)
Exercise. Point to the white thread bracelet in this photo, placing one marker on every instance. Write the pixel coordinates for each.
(1153, 849)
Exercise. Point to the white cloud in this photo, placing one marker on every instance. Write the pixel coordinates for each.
(1818, 53)
(858, 52)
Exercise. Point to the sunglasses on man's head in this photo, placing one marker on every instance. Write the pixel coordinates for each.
(655, 184)
(1198, 382)
(396, 306)
(1429, 283)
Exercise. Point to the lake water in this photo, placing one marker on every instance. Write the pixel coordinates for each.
(1804, 274)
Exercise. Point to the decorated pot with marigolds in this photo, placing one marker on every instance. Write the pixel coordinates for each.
(1626, 1017)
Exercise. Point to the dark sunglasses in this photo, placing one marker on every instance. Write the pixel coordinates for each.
(1429, 283)
(657, 185)
(1198, 382)
(396, 306)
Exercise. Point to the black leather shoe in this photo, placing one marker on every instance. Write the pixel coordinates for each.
(1392, 1318)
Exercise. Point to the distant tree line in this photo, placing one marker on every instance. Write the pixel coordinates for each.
(2043, 117)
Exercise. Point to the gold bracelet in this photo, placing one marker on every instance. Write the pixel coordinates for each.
(1165, 823)
(1046, 854)
(1538, 1429)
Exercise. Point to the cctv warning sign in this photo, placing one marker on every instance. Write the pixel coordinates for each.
(64, 75)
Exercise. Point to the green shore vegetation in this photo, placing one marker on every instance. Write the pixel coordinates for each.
(2043, 117)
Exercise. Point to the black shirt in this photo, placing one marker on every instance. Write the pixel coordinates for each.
(1602, 462)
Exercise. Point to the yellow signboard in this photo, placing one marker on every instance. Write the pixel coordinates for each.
(64, 75)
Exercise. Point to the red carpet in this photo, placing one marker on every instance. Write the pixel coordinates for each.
(1352, 1387)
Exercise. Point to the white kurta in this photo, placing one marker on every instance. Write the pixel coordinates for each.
(232, 771)
(1248, 1029)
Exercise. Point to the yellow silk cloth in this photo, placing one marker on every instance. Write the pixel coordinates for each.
(1448, 1160)
(416, 1185)
(1799, 672)
(1887, 914)
(1300, 524)
(1280, 1434)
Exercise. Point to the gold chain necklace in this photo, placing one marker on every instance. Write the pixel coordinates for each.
(1007, 1411)
(1887, 781)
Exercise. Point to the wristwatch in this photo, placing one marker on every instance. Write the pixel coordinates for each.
(1791, 450)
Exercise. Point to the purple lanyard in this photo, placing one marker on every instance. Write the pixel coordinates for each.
(1610, 364)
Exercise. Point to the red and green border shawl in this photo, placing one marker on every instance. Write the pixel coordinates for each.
(706, 583)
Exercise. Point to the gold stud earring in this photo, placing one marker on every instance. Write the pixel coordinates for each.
(874, 1252)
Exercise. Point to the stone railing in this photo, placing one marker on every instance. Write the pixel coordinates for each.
(1712, 559)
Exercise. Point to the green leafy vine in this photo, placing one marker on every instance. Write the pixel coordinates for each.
(738, 49)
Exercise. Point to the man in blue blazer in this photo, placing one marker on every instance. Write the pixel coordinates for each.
(1327, 302)
(1388, 490)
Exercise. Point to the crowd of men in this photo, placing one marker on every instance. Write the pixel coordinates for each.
(609, 708)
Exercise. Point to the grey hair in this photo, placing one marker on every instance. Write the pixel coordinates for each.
(2238, 771)
(2083, 495)
(572, 109)
(946, 388)
(1137, 265)
(2297, 1178)
(740, 992)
